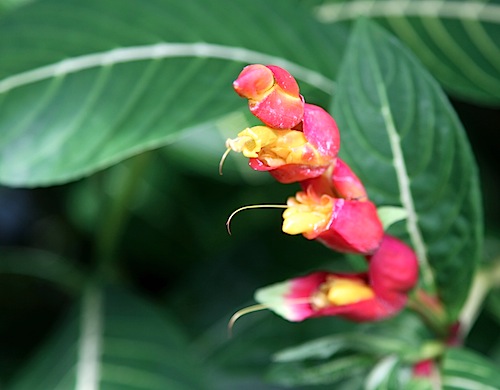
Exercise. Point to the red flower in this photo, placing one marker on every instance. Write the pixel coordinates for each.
(273, 95)
(291, 155)
(377, 294)
(335, 210)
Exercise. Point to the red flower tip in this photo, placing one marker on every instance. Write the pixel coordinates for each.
(254, 82)
(273, 95)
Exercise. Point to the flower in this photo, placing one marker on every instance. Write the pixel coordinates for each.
(273, 95)
(370, 296)
(334, 209)
(291, 155)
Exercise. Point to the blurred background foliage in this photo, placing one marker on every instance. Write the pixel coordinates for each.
(153, 202)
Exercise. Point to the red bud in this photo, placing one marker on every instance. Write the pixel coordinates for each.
(273, 95)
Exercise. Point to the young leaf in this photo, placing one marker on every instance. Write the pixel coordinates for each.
(401, 136)
(85, 85)
(114, 339)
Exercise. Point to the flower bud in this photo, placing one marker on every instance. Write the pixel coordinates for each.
(273, 95)
(393, 268)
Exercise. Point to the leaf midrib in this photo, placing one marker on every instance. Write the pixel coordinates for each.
(402, 176)
(159, 51)
(461, 10)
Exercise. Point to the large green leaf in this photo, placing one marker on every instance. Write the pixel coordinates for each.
(463, 369)
(400, 134)
(86, 84)
(113, 340)
(456, 40)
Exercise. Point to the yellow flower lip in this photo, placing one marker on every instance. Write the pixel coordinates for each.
(251, 140)
(339, 291)
(276, 147)
(308, 214)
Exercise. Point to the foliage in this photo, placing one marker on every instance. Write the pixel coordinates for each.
(116, 269)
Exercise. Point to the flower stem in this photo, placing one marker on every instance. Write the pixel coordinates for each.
(431, 311)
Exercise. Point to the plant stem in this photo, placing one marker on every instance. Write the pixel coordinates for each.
(485, 279)
(115, 213)
(431, 311)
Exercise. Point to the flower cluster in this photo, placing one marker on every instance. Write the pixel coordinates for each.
(299, 143)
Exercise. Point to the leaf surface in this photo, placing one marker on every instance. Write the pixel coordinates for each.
(464, 369)
(114, 339)
(85, 85)
(401, 136)
(456, 40)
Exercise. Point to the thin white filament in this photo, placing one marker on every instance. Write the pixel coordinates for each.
(255, 206)
(223, 158)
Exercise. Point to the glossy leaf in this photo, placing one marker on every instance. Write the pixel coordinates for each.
(456, 40)
(401, 136)
(114, 339)
(463, 369)
(85, 85)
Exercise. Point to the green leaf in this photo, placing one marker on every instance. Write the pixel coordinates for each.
(401, 136)
(456, 40)
(386, 374)
(404, 335)
(42, 265)
(8, 5)
(389, 215)
(463, 369)
(85, 85)
(114, 339)
(293, 374)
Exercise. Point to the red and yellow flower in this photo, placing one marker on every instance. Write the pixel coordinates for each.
(371, 296)
(334, 209)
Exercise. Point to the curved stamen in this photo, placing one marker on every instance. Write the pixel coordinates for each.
(242, 312)
(254, 206)
(222, 159)
(258, 307)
